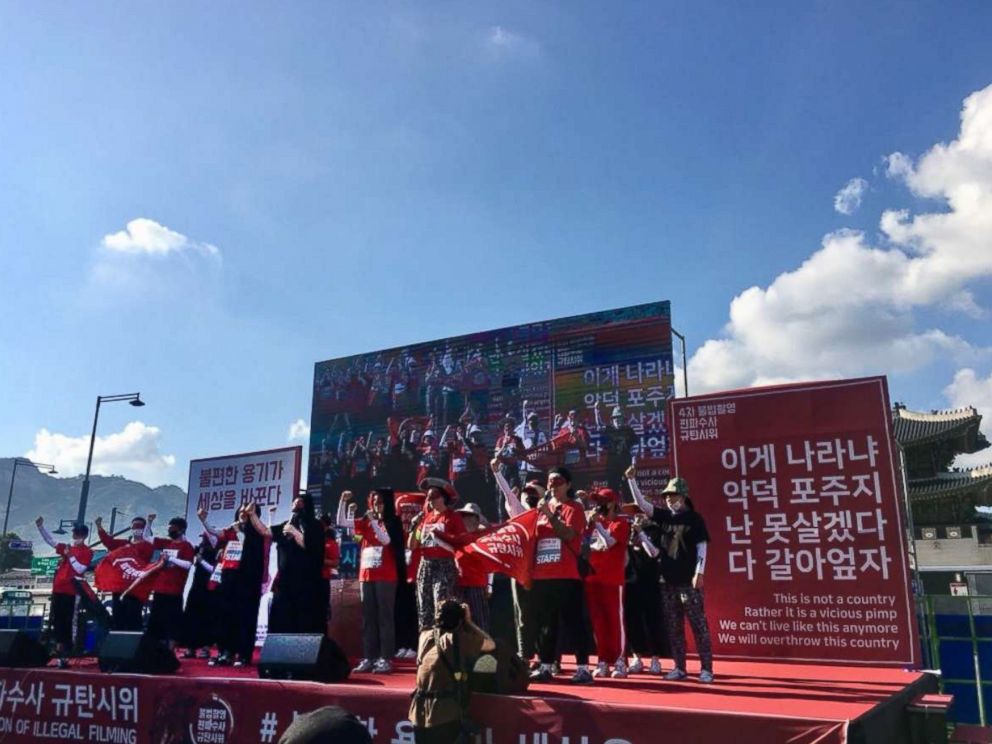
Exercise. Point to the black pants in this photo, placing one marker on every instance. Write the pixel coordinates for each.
(553, 600)
(406, 616)
(61, 613)
(298, 609)
(126, 613)
(644, 619)
(166, 617)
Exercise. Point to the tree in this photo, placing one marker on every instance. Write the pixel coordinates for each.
(13, 558)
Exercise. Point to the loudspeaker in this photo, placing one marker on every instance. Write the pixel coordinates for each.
(137, 653)
(302, 656)
(18, 649)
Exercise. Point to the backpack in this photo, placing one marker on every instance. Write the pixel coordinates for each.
(500, 672)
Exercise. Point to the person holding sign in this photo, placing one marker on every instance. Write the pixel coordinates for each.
(176, 554)
(75, 560)
(683, 562)
(240, 572)
(557, 589)
(382, 561)
(126, 611)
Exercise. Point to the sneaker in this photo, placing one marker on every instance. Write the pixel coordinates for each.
(238, 664)
(581, 677)
(204, 653)
(676, 674)
(404, 653)
(534, 666)
(706, 676)
(602, 670)
(636, 666)
(411, 654)
(541, 674)
(365, 665)
(556, 668)
(655, 666)
(619, 670)
(189, 654)
(382, 666)
(62, 663)
(219, 660)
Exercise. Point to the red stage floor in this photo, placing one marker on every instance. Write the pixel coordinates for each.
(747, 703)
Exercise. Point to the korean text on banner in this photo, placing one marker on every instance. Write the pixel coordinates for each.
(799, 488)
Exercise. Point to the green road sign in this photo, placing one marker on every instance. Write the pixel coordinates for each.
(45, 566)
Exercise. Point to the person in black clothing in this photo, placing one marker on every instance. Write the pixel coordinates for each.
(684, 539)
(619, 440)
(644, 620)
(201, 603)
(242, 571)
(297, 595)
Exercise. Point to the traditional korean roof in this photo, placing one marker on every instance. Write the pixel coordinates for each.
(913, 428)
(953, 483)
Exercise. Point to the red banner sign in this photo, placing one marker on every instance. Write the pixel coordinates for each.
(800, 492)
(509, 548)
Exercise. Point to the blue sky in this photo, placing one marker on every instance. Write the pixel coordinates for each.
(340, 177)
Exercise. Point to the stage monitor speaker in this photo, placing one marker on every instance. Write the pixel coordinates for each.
(309, 656)
(137, 653)
(18, 649)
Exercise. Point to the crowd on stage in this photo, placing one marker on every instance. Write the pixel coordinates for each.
(609, 579)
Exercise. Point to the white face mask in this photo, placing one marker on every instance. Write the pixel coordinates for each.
(137, 534)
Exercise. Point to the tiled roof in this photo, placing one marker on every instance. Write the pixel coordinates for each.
(915, 427)
(951, 484)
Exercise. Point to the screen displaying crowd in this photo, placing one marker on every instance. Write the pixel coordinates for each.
(587, 392)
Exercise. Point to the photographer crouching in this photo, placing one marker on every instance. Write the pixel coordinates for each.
(439, 709)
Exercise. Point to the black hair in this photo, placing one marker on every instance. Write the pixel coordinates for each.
(450, 615)
(139, 519)
(567, 475)
(80, 529)
(178, 522)
(394, 528)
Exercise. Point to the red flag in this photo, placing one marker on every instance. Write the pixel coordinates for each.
(509, 548)
(118, 571)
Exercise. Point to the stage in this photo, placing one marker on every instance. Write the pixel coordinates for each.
(749, 702)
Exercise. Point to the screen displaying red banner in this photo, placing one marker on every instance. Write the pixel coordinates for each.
(799, 488)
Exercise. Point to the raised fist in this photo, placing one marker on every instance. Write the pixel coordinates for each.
(630, 473)
(39, 521)
(201, 513)
(98, 522)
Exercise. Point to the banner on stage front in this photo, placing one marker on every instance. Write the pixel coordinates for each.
(800, 491)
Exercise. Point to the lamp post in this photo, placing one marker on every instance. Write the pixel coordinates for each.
(10, 493)
(114, 513)
(685, 367)
(135, 400)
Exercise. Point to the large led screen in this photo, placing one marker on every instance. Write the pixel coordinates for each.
(588, 392)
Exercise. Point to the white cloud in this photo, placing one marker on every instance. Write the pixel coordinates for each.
(851, 306)
(848, 199)
(145, 236)
(968, 389)
(504, 42)
(299, 430)
(133, 452)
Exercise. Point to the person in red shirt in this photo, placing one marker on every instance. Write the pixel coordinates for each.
(437, 532)
(126, 612)
(473, 576)
(381, 562)
(604, 585)
(75, 560)
(557, 584)
(165, 619)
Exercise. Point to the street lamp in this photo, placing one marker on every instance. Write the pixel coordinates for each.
(135, 400)
(114, 513)
(10, 493)
(63, 523)
(685, 367)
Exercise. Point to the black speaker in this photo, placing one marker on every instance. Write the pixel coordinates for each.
(18, 649)
(137, 653)
(302, 656)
